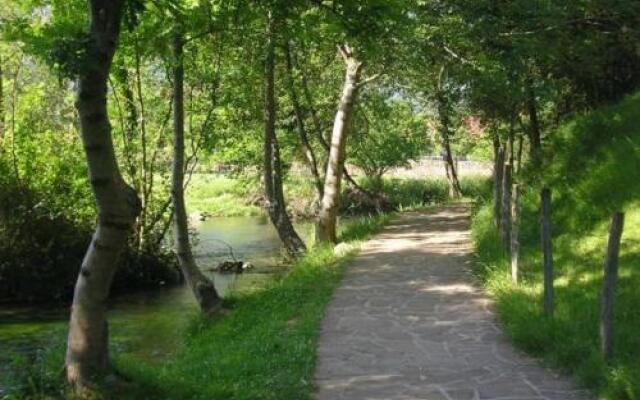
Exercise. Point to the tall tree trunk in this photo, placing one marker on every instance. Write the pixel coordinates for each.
(507, 179)
(518, 162)
(534, 122)
(515, 232)
(317, 129)
(326, 224)
(302, 131)
(118, 205)
(443, 114)
(506, 206)
(2, 118)
(547, 256)
(498, 171)
(203, 288)
(276, 206)
(452, 175)
(609, 286)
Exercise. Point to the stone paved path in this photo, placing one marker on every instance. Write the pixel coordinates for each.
(408, 322)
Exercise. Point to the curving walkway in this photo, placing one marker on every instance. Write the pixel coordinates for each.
(408, 322)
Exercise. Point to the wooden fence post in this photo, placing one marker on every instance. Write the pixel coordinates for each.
(609, 286)
(545, 233)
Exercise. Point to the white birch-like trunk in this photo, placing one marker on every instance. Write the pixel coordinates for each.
(327, 216)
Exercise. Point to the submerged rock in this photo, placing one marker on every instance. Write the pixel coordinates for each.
(233, 267)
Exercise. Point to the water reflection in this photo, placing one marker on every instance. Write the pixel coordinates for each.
(147, 324)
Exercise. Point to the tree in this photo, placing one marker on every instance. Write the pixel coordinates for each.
(272, 164)
(307, 148)
(202, 287)
(327, 217)
(387, 133)
(87, 359)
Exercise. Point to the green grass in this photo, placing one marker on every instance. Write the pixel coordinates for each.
(262, 347)
(217, 195)
(592, 169)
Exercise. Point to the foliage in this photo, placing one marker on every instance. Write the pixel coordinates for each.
(261, 347)
(387, 133)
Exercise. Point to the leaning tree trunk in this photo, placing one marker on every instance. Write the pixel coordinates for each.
(326, 224)
(609, 286)
(547, 256)
(203, 288)
(310, 155)
(443, 114)
(276, 206)
(118, 205)
(452, 176)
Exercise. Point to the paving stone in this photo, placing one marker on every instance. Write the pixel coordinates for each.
(409, 322)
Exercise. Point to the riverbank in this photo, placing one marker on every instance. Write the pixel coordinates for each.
(261, 346)
(214, 195)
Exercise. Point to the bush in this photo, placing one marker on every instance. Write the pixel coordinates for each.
(41, 250)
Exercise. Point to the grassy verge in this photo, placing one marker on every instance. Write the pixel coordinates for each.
(591, 165)
(217, 195)
(262, 347)
(569, 341)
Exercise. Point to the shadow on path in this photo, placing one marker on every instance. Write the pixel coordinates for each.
(408, 322)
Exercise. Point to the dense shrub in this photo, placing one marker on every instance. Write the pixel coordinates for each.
(41, 249)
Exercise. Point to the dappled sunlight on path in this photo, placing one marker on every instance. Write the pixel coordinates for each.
(409, 322)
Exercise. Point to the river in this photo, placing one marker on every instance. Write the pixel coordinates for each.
(148, 324)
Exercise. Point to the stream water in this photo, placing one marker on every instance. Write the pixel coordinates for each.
(147, 324)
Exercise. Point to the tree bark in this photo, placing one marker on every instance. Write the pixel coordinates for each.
(452, 176)
(506, 206)
(2, 117)
(535, 131)
(547, 256)
(515, 232)
(302, 130)
(498, 171)
(443, 114)
(326, 224)
(609, 287)
(203, 288)
(276, 206)
(118, 205)
(507, 180)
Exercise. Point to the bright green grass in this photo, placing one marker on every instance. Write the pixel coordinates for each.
(263, 346)
(591, 165)
(570, 340)
(217, 195)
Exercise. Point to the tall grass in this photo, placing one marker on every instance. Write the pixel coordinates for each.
(593, 165)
